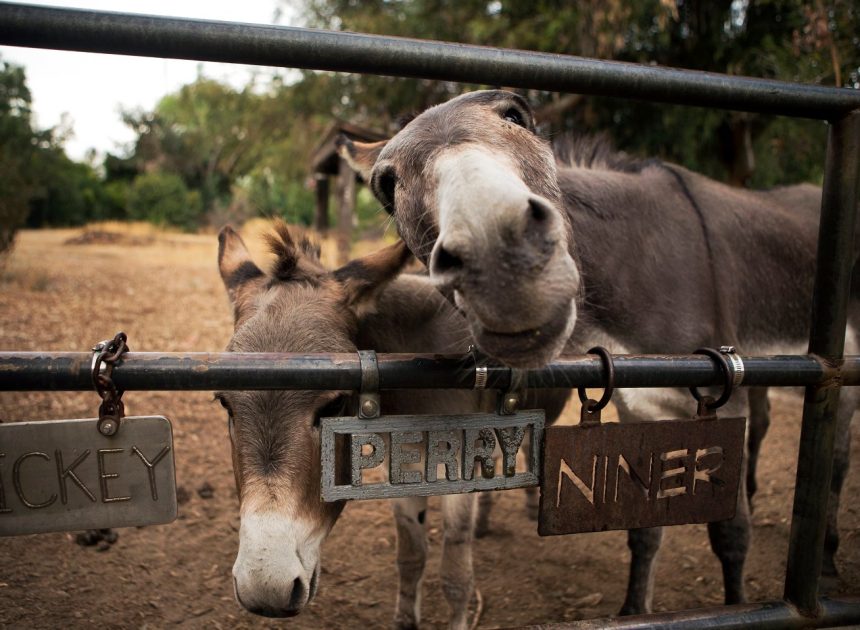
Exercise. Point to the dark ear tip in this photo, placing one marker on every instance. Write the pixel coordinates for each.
(342, 142)
(405, 252)
(224, 232)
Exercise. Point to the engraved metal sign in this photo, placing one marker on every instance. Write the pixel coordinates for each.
(645, 474)
(428, 455)
(62, 475)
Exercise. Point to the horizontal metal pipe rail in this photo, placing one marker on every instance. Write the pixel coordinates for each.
(205, 40)
(775, 615)
(69, 371)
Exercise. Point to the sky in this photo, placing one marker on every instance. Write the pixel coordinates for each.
(90, 89)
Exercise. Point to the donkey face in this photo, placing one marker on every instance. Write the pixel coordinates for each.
(474, 193)
(298, 307)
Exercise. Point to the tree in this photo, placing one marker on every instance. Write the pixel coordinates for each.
(792, 40)
(17, 146)
(163, 199)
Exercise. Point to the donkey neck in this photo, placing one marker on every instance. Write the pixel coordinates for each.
(643, 255)
(672, 260)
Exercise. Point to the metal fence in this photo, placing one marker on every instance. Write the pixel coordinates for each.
(823, 372)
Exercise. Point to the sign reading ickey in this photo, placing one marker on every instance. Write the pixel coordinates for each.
(62, 475)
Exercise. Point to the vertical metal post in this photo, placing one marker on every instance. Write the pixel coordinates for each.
(827, 340)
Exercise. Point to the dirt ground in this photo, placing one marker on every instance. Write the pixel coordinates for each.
(165, 292)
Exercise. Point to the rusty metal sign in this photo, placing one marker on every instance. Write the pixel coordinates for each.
(64, 475)
(644, 474)
(428, 455)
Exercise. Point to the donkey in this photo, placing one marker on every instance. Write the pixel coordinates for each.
(300, 307)
(549, 249)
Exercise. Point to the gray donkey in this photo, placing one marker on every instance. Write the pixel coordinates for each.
(554, 249)
(301, 307)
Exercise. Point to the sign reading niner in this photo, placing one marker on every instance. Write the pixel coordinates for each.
(602, 476)
(428, 455)
(64, 475)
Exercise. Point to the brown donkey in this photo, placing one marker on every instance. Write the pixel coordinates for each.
(550, 249)
(300, 307)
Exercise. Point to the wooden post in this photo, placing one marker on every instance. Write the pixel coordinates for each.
(321, 215)
(345, 210)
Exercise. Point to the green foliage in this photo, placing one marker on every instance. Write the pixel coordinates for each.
(65, 192)
(792, 40)
(210, 153)
(163, 199)
(17, 146)
(266, 194)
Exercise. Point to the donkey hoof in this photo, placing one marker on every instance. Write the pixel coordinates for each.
(627, 610)
(404, 624)
(829, 583)
(828, 567)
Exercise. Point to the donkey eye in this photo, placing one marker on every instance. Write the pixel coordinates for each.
(513, 115)
(384, 189)
(224, 403)
(332, 409)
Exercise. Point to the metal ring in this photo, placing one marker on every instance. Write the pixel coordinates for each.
(105, 355)
(99, 352)
(369, 371)
(480, 377)
(737, 364)
(728, 378)
(609, 369)
(481, 372)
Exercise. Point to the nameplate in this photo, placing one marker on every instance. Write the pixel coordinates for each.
(623, 476)
(428, 455)
(63, 475)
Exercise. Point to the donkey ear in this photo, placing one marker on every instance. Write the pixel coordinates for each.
(361, 156)
(242, 278)
(363, 279)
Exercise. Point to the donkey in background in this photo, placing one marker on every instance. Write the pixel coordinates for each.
(301, 307)
(550, 249)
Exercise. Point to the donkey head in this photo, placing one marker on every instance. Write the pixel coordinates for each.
(474, 193)
(297, 307)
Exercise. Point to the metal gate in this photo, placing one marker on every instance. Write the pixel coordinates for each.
(822, 372)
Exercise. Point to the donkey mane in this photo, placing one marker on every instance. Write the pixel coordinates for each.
(293, 264)
(596, 151)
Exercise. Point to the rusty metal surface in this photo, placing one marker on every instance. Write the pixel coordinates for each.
(173, 371)
(624, 476)
(208, 40)
(830, 307)
(64, 475)
(775, 615)
(429, 455)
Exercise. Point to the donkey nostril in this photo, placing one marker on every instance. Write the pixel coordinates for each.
(298, 596)
(446, 261)
(538, 210)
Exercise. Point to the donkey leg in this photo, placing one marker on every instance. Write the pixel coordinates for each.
(532, 493)
(410, 517)
(458, 578)
(482, 520)
(730, 541)
(552, 401)
(644, 544)
(849, 397)
(759, 424)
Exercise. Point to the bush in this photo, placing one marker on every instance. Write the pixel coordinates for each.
(163, 199)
